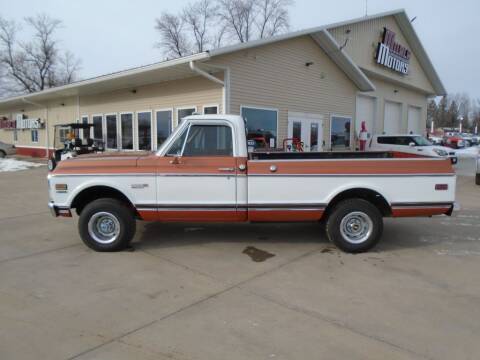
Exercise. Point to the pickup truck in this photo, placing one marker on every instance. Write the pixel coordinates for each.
(204, 173)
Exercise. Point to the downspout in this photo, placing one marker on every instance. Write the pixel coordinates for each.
(210, 77)
(46, 123)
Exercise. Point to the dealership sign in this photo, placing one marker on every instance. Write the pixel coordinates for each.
(21, 123)
(392, 54)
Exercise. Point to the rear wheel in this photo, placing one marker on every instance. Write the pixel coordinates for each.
(106, 225)
(354, 225)
(477, 179)
(2, 154)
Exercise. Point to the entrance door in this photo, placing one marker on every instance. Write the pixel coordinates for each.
(308, 128)
(415, 120)
(197, 177)
(340, 133)
(392, 123)
(366, 107)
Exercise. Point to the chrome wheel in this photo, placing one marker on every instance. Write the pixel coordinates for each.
(104, 227)
(356, 227)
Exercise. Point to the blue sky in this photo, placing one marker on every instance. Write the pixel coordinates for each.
(111, 35)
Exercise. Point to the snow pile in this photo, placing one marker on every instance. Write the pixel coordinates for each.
(471, 152)
(16, 165)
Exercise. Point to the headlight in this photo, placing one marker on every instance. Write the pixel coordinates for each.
(440, 152)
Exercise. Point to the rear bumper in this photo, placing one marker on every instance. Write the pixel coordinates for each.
(57, 211)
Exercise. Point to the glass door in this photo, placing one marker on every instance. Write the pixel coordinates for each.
(126, 127)
(304, 133)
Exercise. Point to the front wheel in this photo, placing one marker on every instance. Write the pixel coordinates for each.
(106, 225)
(355, 225)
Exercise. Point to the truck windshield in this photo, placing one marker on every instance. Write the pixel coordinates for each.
(421, 141)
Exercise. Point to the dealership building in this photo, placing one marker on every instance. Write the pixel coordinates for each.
(318, 85)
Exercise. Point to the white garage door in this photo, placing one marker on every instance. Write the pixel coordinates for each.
(365, 112)
(393, 118)
(415, 120)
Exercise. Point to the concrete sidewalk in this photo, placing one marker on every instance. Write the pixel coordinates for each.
(189, 291)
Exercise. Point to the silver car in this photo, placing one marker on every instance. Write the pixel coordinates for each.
(6, 149)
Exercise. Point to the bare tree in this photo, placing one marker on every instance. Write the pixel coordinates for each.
(173, 38)
(198, 17)
(36, 64)
(238, 16)
(272, 17)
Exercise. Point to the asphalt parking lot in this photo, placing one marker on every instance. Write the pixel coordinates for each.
(190, 291)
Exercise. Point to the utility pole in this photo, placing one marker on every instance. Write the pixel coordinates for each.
(366, 7)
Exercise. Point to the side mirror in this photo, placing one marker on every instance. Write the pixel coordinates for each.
(412, 144)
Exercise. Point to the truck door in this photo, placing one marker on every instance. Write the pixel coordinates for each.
(197, 177)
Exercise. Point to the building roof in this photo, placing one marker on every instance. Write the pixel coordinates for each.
(179, 68)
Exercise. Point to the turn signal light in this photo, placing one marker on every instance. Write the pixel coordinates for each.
(441, 187)
(61, 187)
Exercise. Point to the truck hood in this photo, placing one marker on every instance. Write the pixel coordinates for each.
(106, 163)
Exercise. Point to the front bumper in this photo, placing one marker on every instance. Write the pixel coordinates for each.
(57, 211)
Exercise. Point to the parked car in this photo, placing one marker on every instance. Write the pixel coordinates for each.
(6, 149)
(436, 140)
(454, 142)
(204, 173)
(411, 144)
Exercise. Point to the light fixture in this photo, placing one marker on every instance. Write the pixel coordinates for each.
(309, 63)
(134, 91)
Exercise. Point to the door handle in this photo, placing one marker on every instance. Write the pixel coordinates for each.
(226, 169)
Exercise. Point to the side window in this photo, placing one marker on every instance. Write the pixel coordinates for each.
(389, 140)
(209, 140)
(403, 140)
(177, 146)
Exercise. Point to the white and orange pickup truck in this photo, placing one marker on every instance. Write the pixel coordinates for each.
(204, 173)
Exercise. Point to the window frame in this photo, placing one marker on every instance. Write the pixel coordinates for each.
(172, 128)
(183, 108)
(179, 132)
(242, 106)
(136, 140)
(211, 106)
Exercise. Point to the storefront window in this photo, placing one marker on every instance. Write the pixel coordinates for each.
(34, 134)
(144, 130)
(164, 125)
(209, 110)
(126, 123)
(111, 123)
(261, 126)
(86, 131)
(181, 113)
(97, 127)
(340, 132)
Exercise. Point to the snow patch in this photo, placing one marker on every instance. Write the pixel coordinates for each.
(471, 152)
(9, 165)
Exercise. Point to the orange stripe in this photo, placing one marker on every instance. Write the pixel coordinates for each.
(413, 212)
(285, 215)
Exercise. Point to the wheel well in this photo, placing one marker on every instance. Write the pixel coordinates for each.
(360, 193)
(90, 194)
